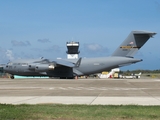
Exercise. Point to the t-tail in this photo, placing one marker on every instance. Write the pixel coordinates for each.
(133, 43)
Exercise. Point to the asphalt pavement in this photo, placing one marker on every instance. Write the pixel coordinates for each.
(80, 91)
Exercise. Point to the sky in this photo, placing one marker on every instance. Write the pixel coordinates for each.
(41, 28)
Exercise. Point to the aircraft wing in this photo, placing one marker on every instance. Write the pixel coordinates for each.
(67, 63)
(77, 72)
(64, 63)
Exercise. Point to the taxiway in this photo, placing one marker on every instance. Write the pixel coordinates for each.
(81, 91)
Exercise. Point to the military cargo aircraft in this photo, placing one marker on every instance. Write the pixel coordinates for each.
(69, 68)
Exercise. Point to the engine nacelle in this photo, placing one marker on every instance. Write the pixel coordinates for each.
(41, 67)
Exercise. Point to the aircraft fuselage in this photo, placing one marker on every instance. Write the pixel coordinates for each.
(86, 67)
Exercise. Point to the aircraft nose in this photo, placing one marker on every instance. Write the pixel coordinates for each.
(4, 67)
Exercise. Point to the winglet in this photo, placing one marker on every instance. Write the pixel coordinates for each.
(77, 64)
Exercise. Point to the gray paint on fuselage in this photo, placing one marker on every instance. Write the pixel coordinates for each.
(96, 65)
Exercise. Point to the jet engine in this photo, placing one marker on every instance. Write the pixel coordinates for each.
(41, 67)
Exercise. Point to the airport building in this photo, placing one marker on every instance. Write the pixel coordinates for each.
(72, 52)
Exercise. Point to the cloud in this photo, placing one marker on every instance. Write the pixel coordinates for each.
(6, 55)
(54, 48)
(9, 54)
(49, 52)
(20, 43)
(43, 40)
(2, 53)
(94, 49)
(51, 49)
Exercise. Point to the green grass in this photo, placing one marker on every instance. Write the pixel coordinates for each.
(79, 112)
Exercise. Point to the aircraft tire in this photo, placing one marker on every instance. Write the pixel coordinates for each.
(12, 76)
(66, 77)
(70, 77)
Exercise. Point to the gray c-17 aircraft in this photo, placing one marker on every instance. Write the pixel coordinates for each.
(69, 68)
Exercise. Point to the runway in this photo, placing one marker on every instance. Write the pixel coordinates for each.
(81, 91)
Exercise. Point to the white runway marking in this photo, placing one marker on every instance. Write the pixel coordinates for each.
(62, 88)
(97, 88)
(74, 88)
(51, 88)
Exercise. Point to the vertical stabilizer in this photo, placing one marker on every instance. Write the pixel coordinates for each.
(133, 43)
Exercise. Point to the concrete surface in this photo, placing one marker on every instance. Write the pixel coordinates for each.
(81, 91)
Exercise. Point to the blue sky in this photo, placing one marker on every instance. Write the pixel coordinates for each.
(41, 28)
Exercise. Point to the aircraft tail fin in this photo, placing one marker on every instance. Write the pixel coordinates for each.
(133, 43)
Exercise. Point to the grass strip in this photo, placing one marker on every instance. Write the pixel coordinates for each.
(78, 112)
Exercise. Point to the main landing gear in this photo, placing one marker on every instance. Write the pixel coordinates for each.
(12, 76)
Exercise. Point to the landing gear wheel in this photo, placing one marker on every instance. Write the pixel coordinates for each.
(70, 77)
(12, 76)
